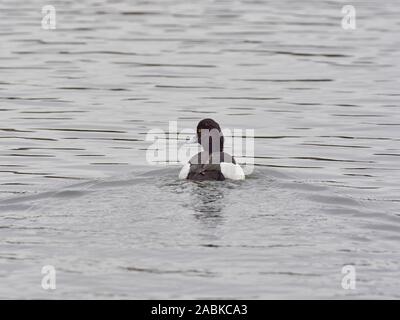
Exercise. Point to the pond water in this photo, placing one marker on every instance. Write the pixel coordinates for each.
(77, 193)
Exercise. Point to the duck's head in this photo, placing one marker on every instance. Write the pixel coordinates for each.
(210, 136)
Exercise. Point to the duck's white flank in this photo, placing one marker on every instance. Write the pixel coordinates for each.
(184, 171)
(232, 171)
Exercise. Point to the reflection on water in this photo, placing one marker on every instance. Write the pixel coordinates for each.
(207, 199)
(77, 102)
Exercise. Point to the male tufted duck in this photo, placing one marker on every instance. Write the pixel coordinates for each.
(212, 163)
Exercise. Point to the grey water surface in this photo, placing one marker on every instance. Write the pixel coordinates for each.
(77, 193)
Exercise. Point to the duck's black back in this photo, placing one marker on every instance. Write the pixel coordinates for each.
(203, 167)
(201, 172)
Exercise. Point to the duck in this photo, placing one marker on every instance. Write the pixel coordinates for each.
(212, 163)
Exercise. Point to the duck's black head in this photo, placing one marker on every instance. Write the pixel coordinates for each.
(208, 128)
